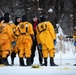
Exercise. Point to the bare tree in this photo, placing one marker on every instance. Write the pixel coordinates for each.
(64, 11)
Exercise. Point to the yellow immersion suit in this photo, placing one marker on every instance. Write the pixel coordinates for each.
(0, 39)
(24, 40)
(13, 26)
(6, 39)
(46, 36)
(74, 37)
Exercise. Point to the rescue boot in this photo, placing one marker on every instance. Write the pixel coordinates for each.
(21, 62)
(5, 61)
(52, 62)
(32, 60)
(0, 60)
(12, 61)
(45, 62)
(13, 55)
(28, 62)
(41, 64)
(40, 61)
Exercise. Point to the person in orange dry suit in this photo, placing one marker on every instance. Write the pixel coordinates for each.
(13, 26)
(46, 37)
(13, 52)
(1, 21)
(24, 42)
(6, 39)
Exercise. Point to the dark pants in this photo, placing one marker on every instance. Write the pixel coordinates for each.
(0, 60)
(33, 52)
(13, 55)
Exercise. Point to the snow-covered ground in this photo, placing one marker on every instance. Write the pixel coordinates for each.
(64, 60)
(65, 57)
(65, 67)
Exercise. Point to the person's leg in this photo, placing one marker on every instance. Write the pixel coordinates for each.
(40, 56)
(21, 62)
(13, 55)
(45, 61)
(33, 51)
(0, 60)
(4, 57)
(52, 54)
(21, 55)
(45, 56)
(28, 61)
(52, 62)
(0, 57)
(5, 61)
(28, 53)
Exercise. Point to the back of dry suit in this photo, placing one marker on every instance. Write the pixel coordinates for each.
(24, 41)
(46, 36)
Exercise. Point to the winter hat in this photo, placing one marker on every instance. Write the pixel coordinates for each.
(34, 15)
(16, 22)
(24, 18)
(6, 14)
(6, 17)
(1, 18)
(42, 18)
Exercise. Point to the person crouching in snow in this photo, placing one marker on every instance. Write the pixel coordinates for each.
(46, 37)
(24, 41)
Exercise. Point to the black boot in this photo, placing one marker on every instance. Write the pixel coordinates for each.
(52, 62)
(13, 55)
(41, 64)
(45, 62)
(28, 62)
(40, 60)
(12, 61)
(0, 60)
(32, 60)
(21, 62)
(5, 61)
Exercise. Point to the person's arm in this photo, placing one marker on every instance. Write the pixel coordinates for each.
(52, 31)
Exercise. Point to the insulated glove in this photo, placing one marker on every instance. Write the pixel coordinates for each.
(75, 43)
(54, 42)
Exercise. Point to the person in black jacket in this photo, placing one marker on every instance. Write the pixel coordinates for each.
(35, 22)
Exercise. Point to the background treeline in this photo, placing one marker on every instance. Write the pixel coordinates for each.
(56, 11)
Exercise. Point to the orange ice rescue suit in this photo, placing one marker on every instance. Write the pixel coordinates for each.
(24, 41)
(46, 36)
